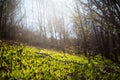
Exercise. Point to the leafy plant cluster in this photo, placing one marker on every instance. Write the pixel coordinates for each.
(28, 63)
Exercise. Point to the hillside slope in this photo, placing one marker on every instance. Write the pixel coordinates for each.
(26, 63)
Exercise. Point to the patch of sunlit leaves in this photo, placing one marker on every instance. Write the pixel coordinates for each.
(23, 62)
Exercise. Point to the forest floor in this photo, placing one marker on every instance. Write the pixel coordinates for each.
(18, 62)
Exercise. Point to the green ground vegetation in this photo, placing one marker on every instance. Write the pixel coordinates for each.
(28, 63)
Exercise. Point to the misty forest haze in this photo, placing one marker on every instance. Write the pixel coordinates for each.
(86, 28)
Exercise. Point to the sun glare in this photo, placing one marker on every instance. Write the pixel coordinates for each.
(45, 10)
